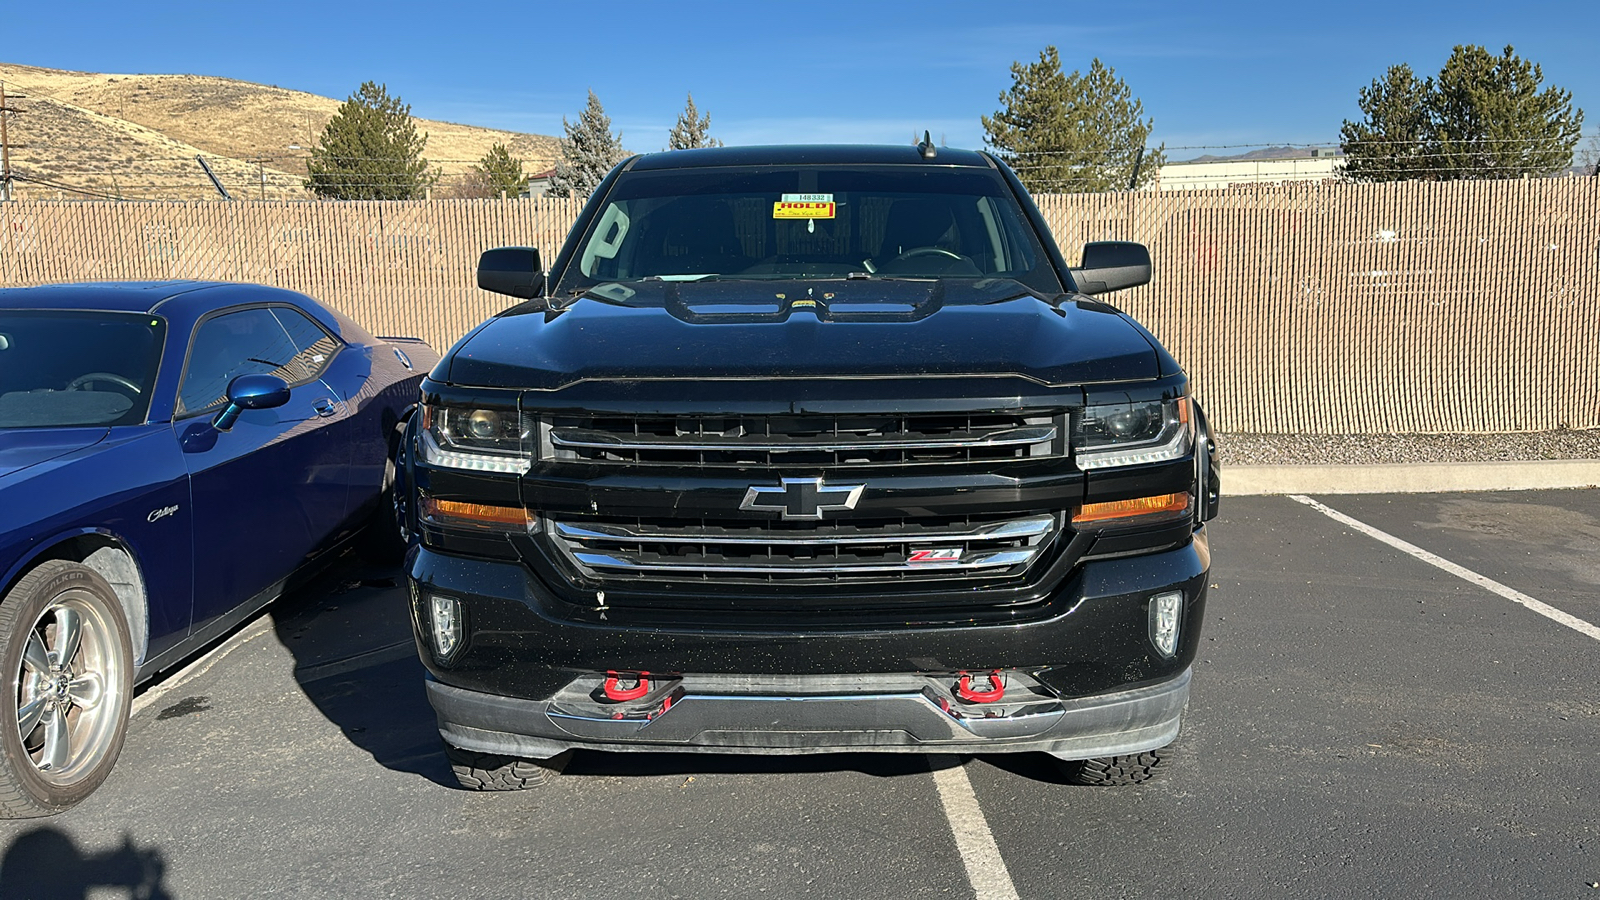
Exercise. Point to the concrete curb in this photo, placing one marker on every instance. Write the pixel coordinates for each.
(1403, 478)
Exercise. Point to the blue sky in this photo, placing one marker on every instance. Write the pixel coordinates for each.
(1247, 73)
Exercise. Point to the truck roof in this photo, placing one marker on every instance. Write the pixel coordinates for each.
(806, 155)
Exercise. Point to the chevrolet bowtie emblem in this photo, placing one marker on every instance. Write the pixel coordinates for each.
(802, 498)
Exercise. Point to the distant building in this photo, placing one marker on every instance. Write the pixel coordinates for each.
(538, 183)
(1323, 164)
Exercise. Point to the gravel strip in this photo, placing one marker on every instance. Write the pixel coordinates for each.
(1358, 449)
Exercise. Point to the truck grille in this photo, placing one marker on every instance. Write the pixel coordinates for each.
(814, 440)
(829, 552)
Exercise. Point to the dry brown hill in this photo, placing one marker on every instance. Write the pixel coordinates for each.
(137, 135)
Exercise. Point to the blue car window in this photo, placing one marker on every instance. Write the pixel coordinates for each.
(248, 342)
(313, 346)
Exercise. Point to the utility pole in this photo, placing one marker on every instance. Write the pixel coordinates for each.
(6, 111)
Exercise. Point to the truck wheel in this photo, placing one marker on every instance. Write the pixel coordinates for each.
(1112, 771)
(67, 658)
(493, 772)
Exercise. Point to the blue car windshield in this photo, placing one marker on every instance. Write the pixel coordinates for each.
(63, 368)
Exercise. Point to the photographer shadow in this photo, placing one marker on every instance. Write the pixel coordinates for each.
(45, 864)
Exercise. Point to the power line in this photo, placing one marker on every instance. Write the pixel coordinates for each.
(62, 187)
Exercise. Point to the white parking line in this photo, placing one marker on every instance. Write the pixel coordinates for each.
(144, 701)
(986, 870)
(1515, 596)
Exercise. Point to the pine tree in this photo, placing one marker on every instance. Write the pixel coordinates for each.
(1072, 133)
(496, 174)
(692, 130)
(588, 152)
(1494, 122)
(370, 150)
(1483, 117)
(1396, 139)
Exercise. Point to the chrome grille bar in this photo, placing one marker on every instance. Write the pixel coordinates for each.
(996, 531)
(821, 439)
(578, 438)
(742, 550)
(968, 562)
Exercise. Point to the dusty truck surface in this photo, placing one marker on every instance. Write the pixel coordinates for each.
(809, 449)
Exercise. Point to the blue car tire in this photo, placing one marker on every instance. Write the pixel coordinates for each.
(66, 658)
(388, 533)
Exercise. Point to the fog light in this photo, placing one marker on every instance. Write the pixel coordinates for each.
(446, 620)
(1165, 610)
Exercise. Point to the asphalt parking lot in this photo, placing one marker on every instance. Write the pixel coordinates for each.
(1363, 723)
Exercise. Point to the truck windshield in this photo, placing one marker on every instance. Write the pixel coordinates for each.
(809, 222)
(60, 369)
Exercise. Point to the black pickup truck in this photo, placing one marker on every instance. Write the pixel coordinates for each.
(808, 449)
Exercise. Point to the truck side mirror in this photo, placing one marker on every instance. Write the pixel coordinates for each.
(1112, 266)
(513, 271)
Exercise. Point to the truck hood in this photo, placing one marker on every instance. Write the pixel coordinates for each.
(23, 448)
(806, 329)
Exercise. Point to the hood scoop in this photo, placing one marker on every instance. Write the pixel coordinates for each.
(848, 300)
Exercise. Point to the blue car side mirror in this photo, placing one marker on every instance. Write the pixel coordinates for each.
(251, 392)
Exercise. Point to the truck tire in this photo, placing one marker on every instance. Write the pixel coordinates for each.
(493, 772)
(1114, 771)
(66, 660)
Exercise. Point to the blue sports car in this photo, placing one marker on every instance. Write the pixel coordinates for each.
(171, 455)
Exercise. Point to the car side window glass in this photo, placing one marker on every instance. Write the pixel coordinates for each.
(247, 342)
(313, 347)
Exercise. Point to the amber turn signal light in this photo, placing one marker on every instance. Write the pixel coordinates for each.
(1091, 513)
(481, 515)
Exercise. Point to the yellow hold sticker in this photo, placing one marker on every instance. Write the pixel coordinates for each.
(791, 210)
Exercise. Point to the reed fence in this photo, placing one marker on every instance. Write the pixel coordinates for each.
(1457, 307)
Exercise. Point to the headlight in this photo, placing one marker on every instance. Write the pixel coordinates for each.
(481, 440)
(1127, 434)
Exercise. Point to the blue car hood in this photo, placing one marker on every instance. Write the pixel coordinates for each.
(22, 448)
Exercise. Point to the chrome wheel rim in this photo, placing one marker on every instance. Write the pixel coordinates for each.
(69, 688)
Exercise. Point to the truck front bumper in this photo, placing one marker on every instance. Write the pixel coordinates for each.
(1085, 681)
(813, 714)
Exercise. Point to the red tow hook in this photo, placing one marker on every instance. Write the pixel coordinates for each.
(997, 689)
(616, 692)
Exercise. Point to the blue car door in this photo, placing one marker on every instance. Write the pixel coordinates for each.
(269, 491)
